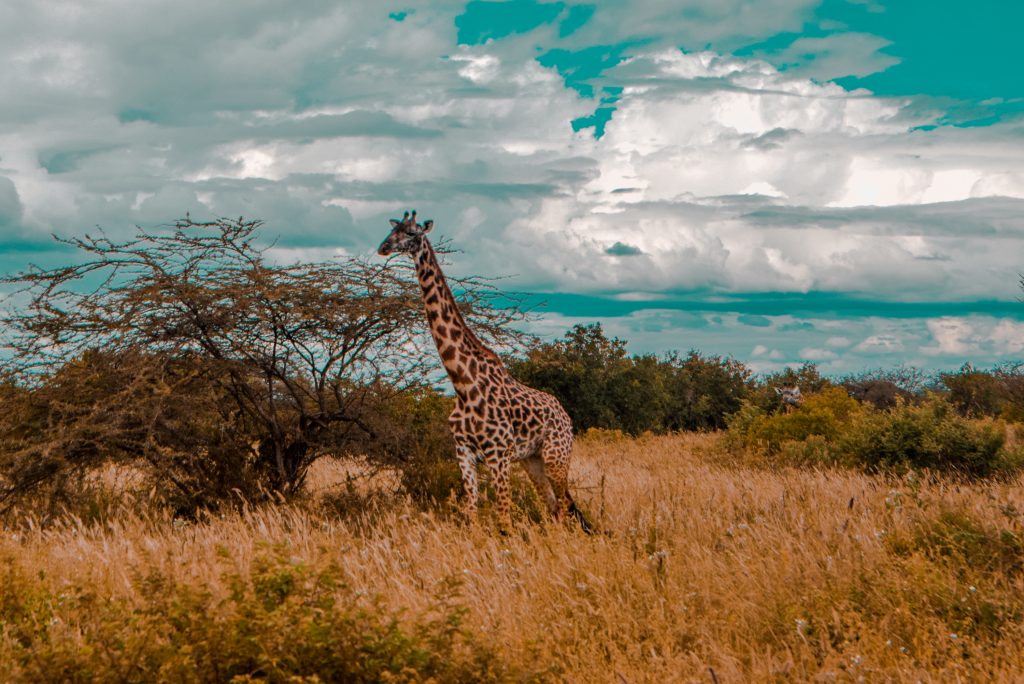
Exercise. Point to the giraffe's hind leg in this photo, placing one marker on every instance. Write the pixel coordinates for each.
(555, 457)
(534, 466)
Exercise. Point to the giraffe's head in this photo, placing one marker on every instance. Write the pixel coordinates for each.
(406, 236)
(790, 396)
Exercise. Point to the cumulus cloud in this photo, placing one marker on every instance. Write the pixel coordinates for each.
(973, 336)
(817, 354)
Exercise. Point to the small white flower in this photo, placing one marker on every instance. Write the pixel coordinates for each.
(953, 636)
(580, 586)
(972, 588)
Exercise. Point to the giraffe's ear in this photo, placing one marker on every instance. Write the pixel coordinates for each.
(394, 223)
(427, 225)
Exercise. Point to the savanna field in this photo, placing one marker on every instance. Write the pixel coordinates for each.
(709, 567)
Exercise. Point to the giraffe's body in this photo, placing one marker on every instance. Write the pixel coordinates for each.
(497, 420)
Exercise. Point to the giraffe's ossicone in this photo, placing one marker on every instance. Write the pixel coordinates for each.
(497, 420)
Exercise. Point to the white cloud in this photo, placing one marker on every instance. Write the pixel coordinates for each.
(1008, 336)
(880, 344)
(723, 173)
(972, 336)
(954, 336)
(815, 354)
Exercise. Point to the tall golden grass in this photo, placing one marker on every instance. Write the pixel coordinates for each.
(703, 571)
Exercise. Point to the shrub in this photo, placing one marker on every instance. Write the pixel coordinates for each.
(421, 446)
(832, 427)
(280, 621)
(806, 377)
(932, 435)
(1011, 377)
(823, 415)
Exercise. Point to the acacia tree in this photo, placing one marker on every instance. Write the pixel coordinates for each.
(190, 349)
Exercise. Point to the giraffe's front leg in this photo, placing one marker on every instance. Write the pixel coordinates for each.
(467, 464)
(498, 460)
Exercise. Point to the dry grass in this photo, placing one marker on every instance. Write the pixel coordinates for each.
(703, 573)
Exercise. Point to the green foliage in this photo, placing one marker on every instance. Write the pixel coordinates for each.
(931, 435)
(420, 444)
(280, 621)
(956, 536)
(833, 428)
(638, 396)
(998, 393)
(601, 387)
(982, 554)
(703, 391)
(581, 370)
(821, 415)
(974, 393)
(806, 377)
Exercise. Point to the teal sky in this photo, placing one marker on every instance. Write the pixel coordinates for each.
(782, 180)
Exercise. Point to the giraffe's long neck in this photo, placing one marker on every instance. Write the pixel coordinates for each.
(462, 353)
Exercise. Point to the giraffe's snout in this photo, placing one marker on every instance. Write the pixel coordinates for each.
(385, 248)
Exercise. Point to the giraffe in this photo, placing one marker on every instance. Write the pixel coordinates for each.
(496, 420)
(790, 397)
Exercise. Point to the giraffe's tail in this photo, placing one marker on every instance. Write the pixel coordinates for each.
(580, 516)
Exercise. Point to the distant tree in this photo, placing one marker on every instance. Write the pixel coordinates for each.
(1011, 377)
(639, 394)
(884, 388)
(581, 370)
(807, 377)
(602, 387)
(974, 392)
(703, 391)
(192, 351)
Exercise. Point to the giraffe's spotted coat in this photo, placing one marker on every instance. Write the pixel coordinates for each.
(497, 420)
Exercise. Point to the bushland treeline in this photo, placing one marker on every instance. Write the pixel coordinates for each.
(224, 376)
(881, 419)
